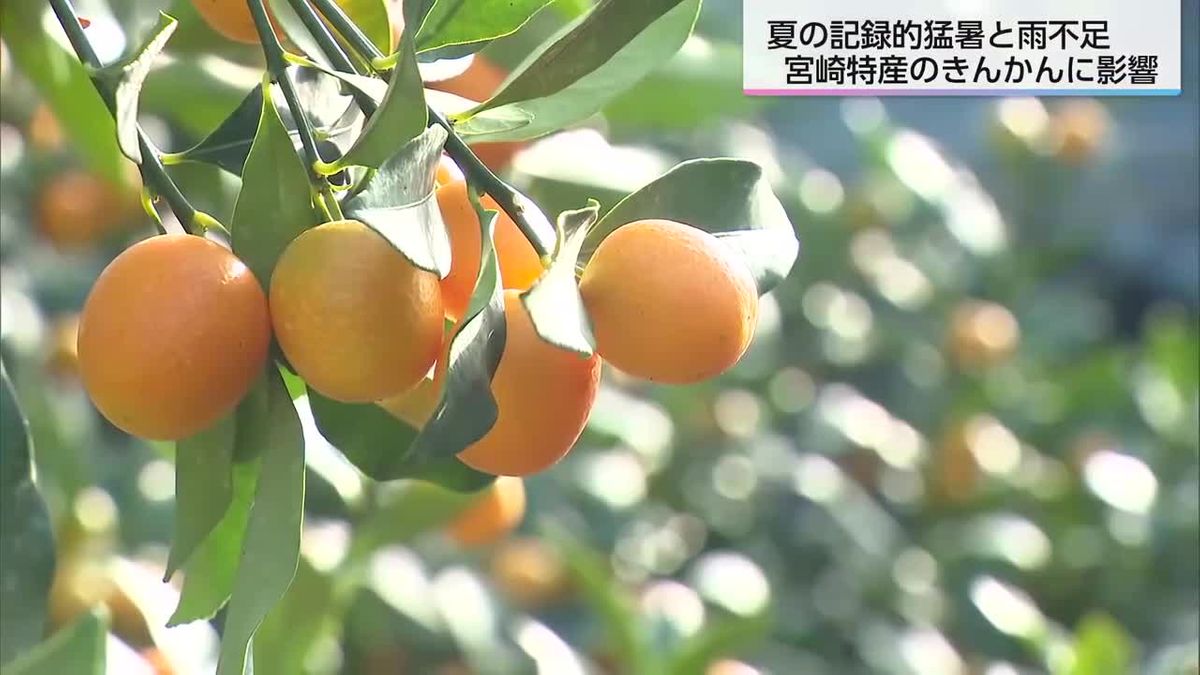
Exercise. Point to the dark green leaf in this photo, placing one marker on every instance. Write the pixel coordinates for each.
(467, 409)
(401, 116)
(457, 22)
(275, 203)
(78, 649)
(553, 302)
(380, 445)
(728, 197)
(65, 85)
(127, 86)
(271, 549)
(210, 565)
(203, 487)
(398, 203)
(229, 144)
(27, 557)
(209, 573)
(596, 58)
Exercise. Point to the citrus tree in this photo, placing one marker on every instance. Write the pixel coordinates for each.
(373, 273)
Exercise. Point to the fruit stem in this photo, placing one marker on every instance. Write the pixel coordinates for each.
(459, 151)
(277, 67)
(337, 56)
(151, 168)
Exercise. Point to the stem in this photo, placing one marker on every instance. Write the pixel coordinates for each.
(153, 173)
(333, 51)
(505, 196)
(277, 66)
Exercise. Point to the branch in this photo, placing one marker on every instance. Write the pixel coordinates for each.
(151, 168)
(505, 196)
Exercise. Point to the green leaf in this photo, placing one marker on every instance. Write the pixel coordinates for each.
(271, 550)
(401, 116)
(65, 85)
(1102, 647)
(228, 145)
(727, 197)
(415, 13)
(212, 561)
(209, 573)
(380, 445)
(203, 487)
(553, 302)
(398, 202)
(78, 649)
(371, 16)
(467, 409)
(291, 629)
(27, 557)
(274, 205)
(458, 22)
(496, 121)
(286, 18)
(597, 57)
(126, 83)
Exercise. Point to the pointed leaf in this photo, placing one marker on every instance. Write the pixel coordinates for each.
(65, 85)
(401, 116)
(458, 22)
(398, 203)
(379, 445)
(203, 487)
(467, 409)
(499, 120)
(229, 144)
(372, 18)
(553, 302)
(128, 82)
(274, 205)
(78, 649)
(727, 197)
(597, 57)
(271, 549)
(27, 556)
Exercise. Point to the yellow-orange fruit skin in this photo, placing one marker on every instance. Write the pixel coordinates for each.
(355, 318)
(76, 208)
(492, 515)
(520, 265)
(543, 394)
(230, 18)
(172, 336)
(668, 302)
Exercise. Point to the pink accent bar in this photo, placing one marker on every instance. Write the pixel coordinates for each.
(961, 92)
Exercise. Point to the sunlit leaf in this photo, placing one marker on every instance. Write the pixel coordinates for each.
(271, 549)
(78, 649)
(494, 121)
(371, 16)
(126, 82)
(597, 57)
(398, 203)
(1102, 647)
(457, 22)
(275, 203)
(292, 628)
(203, 487)
(553, 302)
(467, 409)
(27, 557)
(727, 197)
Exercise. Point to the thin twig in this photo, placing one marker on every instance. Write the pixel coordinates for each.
(153, 173)
(507, 198)
(337, 56)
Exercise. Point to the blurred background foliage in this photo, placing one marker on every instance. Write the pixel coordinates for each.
(964, 440)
